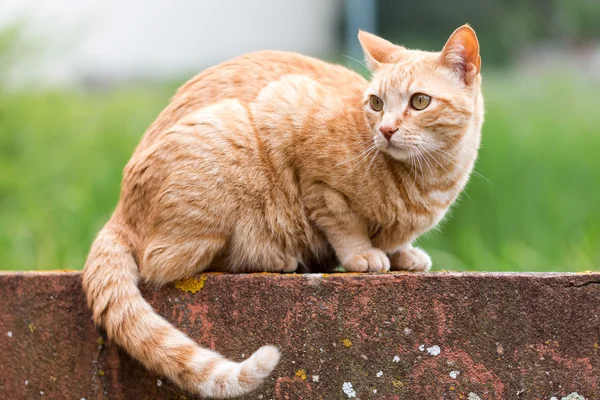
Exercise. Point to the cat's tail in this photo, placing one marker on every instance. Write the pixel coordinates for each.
(110, 281)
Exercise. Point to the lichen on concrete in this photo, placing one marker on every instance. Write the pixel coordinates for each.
(434, 350)
(348, 390)
(574, 396)
(398, 384)
(191, 285)
(301, 374)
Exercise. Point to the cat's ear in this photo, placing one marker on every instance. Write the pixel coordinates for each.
(377, 50)
(461, 53)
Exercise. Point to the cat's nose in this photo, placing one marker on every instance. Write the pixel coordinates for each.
(387, 131)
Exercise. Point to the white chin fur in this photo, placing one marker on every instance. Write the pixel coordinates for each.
(397, 153)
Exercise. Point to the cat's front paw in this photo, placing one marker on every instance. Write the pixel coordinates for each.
(372, 260)
(410, 259)
(286, 264)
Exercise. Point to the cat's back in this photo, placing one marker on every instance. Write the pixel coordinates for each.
(244, 77)
(222, 97)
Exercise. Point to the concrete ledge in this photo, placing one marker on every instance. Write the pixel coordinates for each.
(381, 336)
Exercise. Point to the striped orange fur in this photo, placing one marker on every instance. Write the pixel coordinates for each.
(272, 161)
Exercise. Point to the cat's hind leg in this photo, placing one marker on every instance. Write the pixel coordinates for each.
(253, 250)
(166, 259)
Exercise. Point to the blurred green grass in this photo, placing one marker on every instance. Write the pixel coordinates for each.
(62, 153)
(61, 157)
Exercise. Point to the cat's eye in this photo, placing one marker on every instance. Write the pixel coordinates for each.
(376, 103)
(420, 101)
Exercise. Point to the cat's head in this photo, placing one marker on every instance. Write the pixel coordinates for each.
(421, 101)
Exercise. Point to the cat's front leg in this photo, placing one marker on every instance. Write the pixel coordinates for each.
(347, 233)
(366, 260)
(409, 258)
(397, 242)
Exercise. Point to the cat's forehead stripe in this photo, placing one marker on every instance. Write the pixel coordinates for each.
(400, 78)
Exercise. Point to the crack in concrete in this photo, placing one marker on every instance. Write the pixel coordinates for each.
(578, 285)
(97, 374)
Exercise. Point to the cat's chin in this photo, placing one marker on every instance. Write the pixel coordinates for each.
(397, 153)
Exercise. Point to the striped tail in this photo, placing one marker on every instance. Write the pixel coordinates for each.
(110, 281)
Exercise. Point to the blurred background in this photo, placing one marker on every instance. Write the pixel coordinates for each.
(80, 81)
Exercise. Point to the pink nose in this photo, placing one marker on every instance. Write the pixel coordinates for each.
(387, 131)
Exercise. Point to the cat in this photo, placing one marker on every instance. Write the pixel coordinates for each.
(272, 161)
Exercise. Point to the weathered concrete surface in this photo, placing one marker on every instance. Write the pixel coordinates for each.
(389, 336)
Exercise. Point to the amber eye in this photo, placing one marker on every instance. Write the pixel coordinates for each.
(376, 103)
(420, 101)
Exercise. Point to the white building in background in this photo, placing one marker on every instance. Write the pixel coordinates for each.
(114, 40)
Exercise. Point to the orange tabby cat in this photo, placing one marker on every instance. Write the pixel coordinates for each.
(274, 160)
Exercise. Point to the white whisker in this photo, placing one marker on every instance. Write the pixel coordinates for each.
(360, 62)
(362, 159)
(356, 156)
(420, 166)
(437, 150)
(366, 175)
(427, 162)
(449, 175)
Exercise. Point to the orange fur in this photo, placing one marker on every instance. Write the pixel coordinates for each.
(272, 160)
